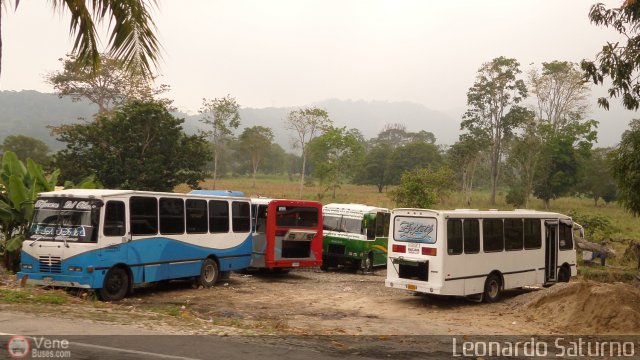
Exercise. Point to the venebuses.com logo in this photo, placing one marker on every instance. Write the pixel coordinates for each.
(18, 347)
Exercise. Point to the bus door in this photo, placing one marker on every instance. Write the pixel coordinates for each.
(259, 242)
(551, 250)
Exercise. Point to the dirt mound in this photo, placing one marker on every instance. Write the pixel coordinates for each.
(587, 307)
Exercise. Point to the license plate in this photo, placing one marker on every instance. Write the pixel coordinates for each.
(412, 287)
(295, 264)
(413, 248)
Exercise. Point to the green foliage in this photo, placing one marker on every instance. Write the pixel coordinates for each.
(336, 156)
(140, 146)
(495, 91)
(517, 196)
(27, 147)
(598, 182)
(222, 115)
(625, 161)
(22, 297)
(411, 156)
(423, 187)
(132, 36)
(254, 143)
(596, 227)
(19, 187)
(374, 167)
(619, 62)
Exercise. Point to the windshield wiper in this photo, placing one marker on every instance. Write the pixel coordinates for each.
(36, 240)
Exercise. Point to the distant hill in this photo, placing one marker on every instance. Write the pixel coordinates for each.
(30, 112)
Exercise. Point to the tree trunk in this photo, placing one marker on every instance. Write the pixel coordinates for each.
(254, 176)
(304, 164)
(215, 167)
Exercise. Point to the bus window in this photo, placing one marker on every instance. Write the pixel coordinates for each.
(492, 235)
(566, 236)
(513, 234)
(114, 219)
(241, 216)
(331, 222)
(387, 221)
(218, 216)
(143, 215)
(196, 216)
(351, 225)
(454, 236)
(297, 216)
(471, 233)
(260, 218)
(171, 216)
(532, 236)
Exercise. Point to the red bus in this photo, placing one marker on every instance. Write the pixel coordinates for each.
(286, 234)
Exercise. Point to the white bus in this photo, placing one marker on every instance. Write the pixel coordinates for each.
(111, 240)
(478, 253)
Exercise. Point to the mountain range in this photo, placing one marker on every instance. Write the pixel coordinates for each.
(30, 113)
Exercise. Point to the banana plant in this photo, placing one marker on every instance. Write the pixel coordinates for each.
(19, 187)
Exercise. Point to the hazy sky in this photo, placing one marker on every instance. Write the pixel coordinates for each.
(292, 53)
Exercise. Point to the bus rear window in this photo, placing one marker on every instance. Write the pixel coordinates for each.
(414, 229)
(296, 216)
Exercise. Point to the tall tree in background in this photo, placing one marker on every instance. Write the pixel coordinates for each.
(223, 116)
(307, 123)
(423, 187)
(132, 37)
(140, 146)
(618, 62)
(375, 165)
(336, 155)
(256, 142)
(464, 157)
(626, 168)
(26, 147)
(598, 182)
(111, 85)
(494, 92)
(411, 156)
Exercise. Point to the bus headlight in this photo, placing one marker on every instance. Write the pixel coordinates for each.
(27, 266)
(74, 268)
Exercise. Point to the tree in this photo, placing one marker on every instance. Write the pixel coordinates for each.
(132, 37)
(111, 85)
(523, 155)
(255, 142)
(307, 123)
(140, 146)
(395, 135)
(27, 147)
(19, 186)
(464, 156)
(494, 92)
(411, 156)
(336, 155)
(625, 159)
(223, 116)
(618, 62)
(423, 187)
(598, 182)
(374, 167)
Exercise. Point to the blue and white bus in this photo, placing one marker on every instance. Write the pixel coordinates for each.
(111, 240)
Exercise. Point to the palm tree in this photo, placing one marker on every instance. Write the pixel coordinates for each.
(132, 37)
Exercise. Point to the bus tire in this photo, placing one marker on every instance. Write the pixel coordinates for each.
(367, 264)
(564, 274)
(115, 286)
(492, 288)
(209, 274)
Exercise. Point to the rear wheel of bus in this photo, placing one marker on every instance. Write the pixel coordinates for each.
(492, 288)
(209, 274)
(115, 286)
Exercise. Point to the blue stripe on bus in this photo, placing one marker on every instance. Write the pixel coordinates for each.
(150, 260)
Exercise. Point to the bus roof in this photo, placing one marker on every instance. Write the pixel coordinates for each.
(482, 213)
(351, 208)
(100, 193)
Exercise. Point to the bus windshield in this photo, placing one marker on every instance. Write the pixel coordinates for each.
(342, 224)
(65, 219)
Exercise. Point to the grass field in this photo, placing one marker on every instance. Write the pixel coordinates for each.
(624, 226)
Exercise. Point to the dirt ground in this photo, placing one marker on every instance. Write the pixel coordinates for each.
(312, 302)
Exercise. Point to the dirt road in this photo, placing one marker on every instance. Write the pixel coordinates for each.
(312, 302)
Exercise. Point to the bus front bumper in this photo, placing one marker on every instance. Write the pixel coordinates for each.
(47, 279)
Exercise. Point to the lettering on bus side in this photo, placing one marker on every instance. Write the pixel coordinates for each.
(415, 229)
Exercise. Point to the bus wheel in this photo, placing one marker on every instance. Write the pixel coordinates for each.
(209, 273)
(492, 288)
(367, 264)
(564, 274)
(115, 286)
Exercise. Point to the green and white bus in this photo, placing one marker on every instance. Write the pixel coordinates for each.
(355, 235)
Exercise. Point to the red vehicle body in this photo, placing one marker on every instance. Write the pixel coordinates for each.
(286, 233)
